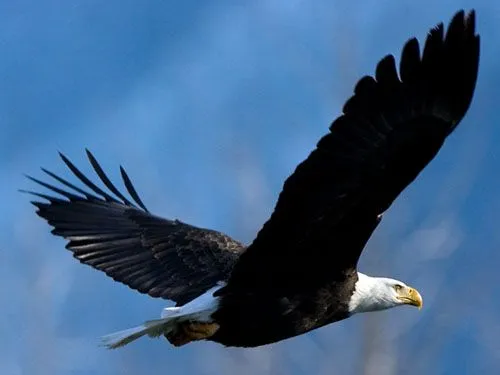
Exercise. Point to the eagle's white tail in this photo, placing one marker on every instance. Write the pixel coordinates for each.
(152, 328)
(198, 310)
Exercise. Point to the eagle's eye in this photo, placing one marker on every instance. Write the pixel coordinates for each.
(398, 287)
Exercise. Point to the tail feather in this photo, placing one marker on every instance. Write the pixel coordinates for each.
(198, 310)
(151, 328)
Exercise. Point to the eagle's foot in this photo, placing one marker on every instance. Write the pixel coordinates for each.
(191, 331)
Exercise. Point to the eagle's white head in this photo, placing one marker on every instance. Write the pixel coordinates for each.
(380, 293)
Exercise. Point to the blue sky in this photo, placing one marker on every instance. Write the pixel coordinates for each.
(210, 106)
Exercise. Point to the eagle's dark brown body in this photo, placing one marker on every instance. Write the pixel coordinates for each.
(261, 318)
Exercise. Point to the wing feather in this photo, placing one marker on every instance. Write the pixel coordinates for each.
(390, 129)
(160, 257)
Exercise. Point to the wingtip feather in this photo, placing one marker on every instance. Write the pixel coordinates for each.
(131, 189)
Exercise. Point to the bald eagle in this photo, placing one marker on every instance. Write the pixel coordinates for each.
(300, 272)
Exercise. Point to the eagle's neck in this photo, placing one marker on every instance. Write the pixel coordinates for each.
(370, 294)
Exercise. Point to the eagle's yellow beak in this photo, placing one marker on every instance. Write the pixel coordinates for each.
(410, 296)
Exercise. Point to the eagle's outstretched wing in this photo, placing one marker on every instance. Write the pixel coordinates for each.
(160, 257)
(390, 129)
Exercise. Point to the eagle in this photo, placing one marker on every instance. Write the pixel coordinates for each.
(300, 272)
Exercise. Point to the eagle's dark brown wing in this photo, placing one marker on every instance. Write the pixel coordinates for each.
(390, 129)
(160, 257)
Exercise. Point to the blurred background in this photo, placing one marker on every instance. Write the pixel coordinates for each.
(210, 105)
